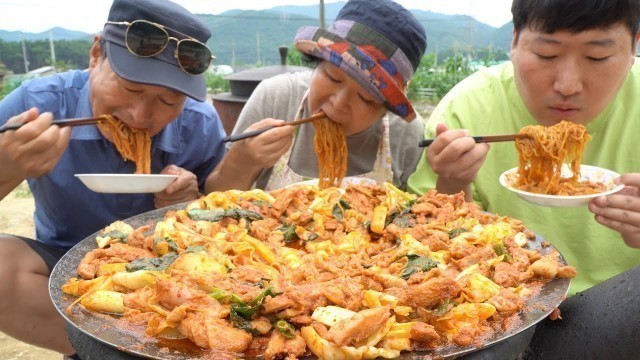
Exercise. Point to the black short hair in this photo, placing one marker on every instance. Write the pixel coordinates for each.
(549, 16)
(309, 60)
(103, 48)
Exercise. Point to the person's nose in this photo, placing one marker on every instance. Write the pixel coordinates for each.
(141, 114)
(342, 99)
(568, 80)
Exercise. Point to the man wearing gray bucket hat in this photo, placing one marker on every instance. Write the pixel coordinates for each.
(365, 60)
(146, 68)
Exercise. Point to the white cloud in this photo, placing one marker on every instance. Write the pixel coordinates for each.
(88, 16)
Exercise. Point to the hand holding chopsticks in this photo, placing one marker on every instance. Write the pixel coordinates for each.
(61, 123)
(480, 139)
(257, 132)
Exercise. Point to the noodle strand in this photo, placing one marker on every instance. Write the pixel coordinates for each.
(133, 144)
(331, 148)
(542, 154)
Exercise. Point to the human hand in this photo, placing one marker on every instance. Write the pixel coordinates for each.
(32, 150)
(456, 158)
(264, 150)
(183, 188)
(621, 211)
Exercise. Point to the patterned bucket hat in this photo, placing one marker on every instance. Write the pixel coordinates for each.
(378, 43)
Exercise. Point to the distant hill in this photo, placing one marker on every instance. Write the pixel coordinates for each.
(252, 37)
(504, 34)
(236, 34)
(57, 33)
(458, 32)
(312, 11)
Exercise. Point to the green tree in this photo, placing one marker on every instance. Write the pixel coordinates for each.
(71, 54)
(7, 87)
(216, 83)
(294, 57)
(439, 78)
(11, 56)
(75, 54)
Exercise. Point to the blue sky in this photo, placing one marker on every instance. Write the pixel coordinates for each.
(41, 15)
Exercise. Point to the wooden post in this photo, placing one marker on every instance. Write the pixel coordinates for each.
(322, 22)
(24, 56)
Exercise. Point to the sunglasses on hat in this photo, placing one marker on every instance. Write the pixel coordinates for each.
(146, 39)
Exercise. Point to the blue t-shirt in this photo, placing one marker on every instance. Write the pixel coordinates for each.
(66, 211)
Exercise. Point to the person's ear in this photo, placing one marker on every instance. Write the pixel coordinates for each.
(95, 53)
(635, 43)
(514, 41)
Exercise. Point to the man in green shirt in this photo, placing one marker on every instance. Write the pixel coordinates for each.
(570, 61)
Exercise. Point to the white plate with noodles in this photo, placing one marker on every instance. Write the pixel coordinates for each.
(587, 173)
(126, 183)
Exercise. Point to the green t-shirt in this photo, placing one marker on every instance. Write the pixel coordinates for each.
(488, 103)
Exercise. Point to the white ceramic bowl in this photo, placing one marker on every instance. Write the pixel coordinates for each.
(126, 183)
(587, 172)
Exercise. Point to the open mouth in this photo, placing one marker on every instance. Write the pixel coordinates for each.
(330, 116)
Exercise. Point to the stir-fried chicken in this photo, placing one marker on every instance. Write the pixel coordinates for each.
(279, 346)
(366, 271)
(213, 333)
(359, 327)
(116, 253)
(506, 275)
(506, 302)
(424, 333)
(428, 294)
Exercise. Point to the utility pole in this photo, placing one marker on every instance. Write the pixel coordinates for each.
(53, 50)
(258, 47)
(470, 37)
(322, 22)
(455, 64)
(24, 56)
(233, 54)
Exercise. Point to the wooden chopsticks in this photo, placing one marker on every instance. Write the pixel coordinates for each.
(257, 132)
(481, 139)
(61, 123)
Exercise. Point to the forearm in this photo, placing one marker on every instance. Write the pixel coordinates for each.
(451, 187)
(7, 187)
(233, 172)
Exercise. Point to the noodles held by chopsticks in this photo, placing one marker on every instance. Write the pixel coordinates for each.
(133, 144)
(542, 153)
(331, 147)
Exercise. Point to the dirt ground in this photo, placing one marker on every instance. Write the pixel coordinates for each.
(16, 217)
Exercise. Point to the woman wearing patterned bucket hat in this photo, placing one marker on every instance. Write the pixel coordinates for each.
(364, 62)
